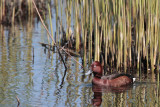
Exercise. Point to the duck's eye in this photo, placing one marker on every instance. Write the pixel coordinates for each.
(94, 66)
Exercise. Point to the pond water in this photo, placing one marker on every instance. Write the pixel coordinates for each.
(37, 77)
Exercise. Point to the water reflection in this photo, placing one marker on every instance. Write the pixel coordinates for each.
(98, 90)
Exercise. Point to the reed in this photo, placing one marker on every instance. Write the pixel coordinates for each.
(90, 32)
(18, 12)
(50, 20)
(68, 18)
(57, 20)
(124, 33)
(13, 14)
(77, 25)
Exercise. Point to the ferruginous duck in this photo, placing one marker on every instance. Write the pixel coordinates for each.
(114, 80)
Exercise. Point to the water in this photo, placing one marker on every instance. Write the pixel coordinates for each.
(40, 81)
(36, 81)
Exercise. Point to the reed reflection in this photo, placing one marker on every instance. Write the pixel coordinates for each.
(99, 90)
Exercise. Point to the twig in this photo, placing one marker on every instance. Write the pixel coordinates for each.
(52, 37)
(33, 55)
(48, 46)
(71, 56)
(62, 58)
(43, 22)
(66, 49)
(18, 101)
(61, 85)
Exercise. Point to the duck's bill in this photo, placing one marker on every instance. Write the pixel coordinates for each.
(89, 72)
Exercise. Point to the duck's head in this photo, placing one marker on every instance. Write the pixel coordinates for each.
(96, 69)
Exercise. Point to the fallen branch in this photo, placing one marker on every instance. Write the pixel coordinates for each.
(70, 51)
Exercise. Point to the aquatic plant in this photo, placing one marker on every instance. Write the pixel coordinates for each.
(124, 34)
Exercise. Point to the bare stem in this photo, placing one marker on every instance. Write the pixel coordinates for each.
(58, 47)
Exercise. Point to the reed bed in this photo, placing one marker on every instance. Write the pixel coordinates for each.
(122, 34)
(20, 11)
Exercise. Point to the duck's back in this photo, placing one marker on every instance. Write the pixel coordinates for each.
(113, 76)
(117, 80)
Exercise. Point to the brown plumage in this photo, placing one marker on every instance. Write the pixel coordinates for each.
(114, 80)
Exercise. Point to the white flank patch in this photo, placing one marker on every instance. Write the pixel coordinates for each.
(134, 79)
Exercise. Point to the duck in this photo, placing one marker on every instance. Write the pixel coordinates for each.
(113, 80)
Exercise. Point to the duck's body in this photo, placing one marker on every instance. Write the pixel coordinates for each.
(122, 80)
(114, 80)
